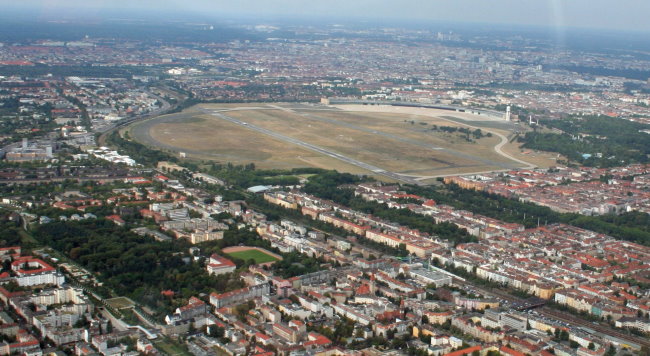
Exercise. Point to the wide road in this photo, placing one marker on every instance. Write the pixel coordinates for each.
(318, 149)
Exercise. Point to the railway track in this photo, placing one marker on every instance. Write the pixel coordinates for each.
(568, 318)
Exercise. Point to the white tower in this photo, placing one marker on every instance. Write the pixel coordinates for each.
(508, 113)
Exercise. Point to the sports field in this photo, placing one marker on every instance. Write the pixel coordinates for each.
(353, 138)
(247, 253)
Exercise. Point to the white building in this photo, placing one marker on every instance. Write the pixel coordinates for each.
(219, 265)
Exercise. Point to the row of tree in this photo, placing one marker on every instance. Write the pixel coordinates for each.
(632, 226)
(328, 185)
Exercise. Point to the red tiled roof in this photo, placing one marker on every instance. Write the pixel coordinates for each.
(466, 351)
(262, 336)
(115, 218)
(508, 351)
(363, 289)
(220, 262)
(44, 266)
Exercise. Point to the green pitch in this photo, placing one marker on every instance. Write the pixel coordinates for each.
(258, 256)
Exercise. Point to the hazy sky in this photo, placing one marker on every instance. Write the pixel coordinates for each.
(610, 14)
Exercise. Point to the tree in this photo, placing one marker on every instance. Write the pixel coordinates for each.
(390, 334)
(591, 346)
(564, 335)
(574, 344)
(398, 343)
(82, 322)
(215, 331)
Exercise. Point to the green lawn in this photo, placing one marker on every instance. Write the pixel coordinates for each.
(170, 348)
(120, 302)
(258, 256)
(26, 238)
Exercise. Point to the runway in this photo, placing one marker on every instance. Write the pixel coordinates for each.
(318, 149)
(455, 153)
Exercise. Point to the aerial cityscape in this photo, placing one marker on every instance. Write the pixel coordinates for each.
(324, 178)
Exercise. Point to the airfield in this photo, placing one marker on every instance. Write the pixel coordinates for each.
(391, 143)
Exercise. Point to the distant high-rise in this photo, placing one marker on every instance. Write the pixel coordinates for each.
(508, 114)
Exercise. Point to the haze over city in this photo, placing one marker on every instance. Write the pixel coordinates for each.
(626, 15)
